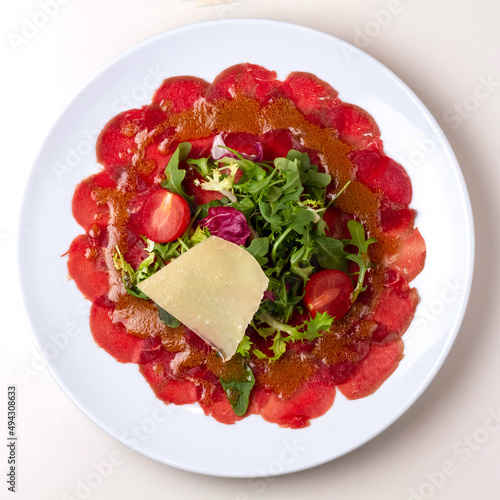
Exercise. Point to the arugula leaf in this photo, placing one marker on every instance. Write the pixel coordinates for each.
(317, 179)
(245, 205)
(259, 248)
(358, 236)
(301, 159)
(330, 253)
(300, 218)
(238, 391)
(203, 209)
(361, 258)
(204, 166)
(167, 318)
(175, 175)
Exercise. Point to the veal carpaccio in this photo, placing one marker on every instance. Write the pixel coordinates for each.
(248, 105)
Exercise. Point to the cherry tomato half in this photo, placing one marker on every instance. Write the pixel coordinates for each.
(328, 291)
(165, 216)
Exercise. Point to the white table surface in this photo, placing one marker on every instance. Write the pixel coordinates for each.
(447, 446)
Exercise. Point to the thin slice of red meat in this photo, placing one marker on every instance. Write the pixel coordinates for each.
(242, 142)
(115, 340)
(179, 93)
(393, 311)
(276, 143)
(336, 220)
(410, 259)
(249, 79)
(312, 96)
(382, 174)
(313, 399)
(200, 148)
(86, 266)
(395, 218)
(118, 141)
(354, 125)
(344, 370)
(380, 363)
(167, 387)
(220, 408)
(86, 210)
(136, 253)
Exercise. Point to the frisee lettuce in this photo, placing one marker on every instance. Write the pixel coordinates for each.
(309, 330)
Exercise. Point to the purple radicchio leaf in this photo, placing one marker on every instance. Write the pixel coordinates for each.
(227, 223)
(269, 295)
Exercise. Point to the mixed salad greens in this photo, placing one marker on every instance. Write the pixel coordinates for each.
(275, 210)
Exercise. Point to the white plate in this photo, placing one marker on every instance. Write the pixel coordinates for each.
(115, 396)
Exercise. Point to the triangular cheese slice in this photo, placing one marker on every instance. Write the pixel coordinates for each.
(214, 289)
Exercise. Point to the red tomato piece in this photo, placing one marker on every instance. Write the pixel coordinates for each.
(165, 216)
(329, 291)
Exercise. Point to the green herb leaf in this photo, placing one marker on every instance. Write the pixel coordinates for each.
(244, 347)
(259, 248)
(300, 219)
(330, 253)
(175, 175)
(361, 258)
(199, 235)
(312, 328)
(129, 276)
(358, 236)
(309, 330)
(220, 181)
(167, 318)
(317, 179)
(238, 391)
(204, 166)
